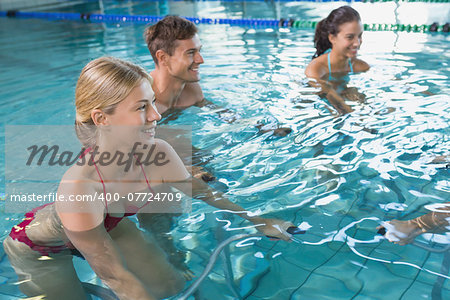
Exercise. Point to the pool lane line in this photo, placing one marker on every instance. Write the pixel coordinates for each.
(436, 292)
(276, 23)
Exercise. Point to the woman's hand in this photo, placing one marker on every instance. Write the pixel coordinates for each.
(200, 173)
(274, 228)
(401, 232)
(352, 94)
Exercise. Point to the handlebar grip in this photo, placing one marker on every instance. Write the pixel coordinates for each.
(382, 231)
(295, 230)
(291, 230)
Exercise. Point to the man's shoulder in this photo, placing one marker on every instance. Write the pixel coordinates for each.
(192, 93)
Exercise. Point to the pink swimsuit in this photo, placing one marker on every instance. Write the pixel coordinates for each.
(18, 232)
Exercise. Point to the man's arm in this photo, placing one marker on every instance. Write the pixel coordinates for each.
(230, 117)
(225, 114)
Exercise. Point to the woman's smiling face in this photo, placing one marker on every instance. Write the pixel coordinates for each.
(136, 112)
(348, 40)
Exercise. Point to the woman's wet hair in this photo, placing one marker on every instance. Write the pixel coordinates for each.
(103, 84)
(330, 25)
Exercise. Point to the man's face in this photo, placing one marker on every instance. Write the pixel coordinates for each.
(186, 59)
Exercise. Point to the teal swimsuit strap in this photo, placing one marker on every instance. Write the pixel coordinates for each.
(329, 65)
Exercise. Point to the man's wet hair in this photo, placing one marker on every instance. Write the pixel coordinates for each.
(164, 34)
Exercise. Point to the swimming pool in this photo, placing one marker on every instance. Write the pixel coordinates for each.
(328, 174)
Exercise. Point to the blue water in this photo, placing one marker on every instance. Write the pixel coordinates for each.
(329, 174)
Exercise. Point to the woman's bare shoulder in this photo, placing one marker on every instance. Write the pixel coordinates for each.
(76, 183)
(317, 68)
(80, 204)
(79, 175)
(360, 65)
(165, 158)
(160, 150)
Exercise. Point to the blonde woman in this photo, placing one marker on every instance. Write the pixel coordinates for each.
(115, 113)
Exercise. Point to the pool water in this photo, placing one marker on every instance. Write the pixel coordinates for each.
(338, 176)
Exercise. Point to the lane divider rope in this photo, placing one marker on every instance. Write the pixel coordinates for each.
(281, 23)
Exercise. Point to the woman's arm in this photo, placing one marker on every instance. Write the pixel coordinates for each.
(327, 91)
(83, 225)
(270, 227)
(404, 232)
(178, 177)
(105, 259)
(317, 70)
(336, 100)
